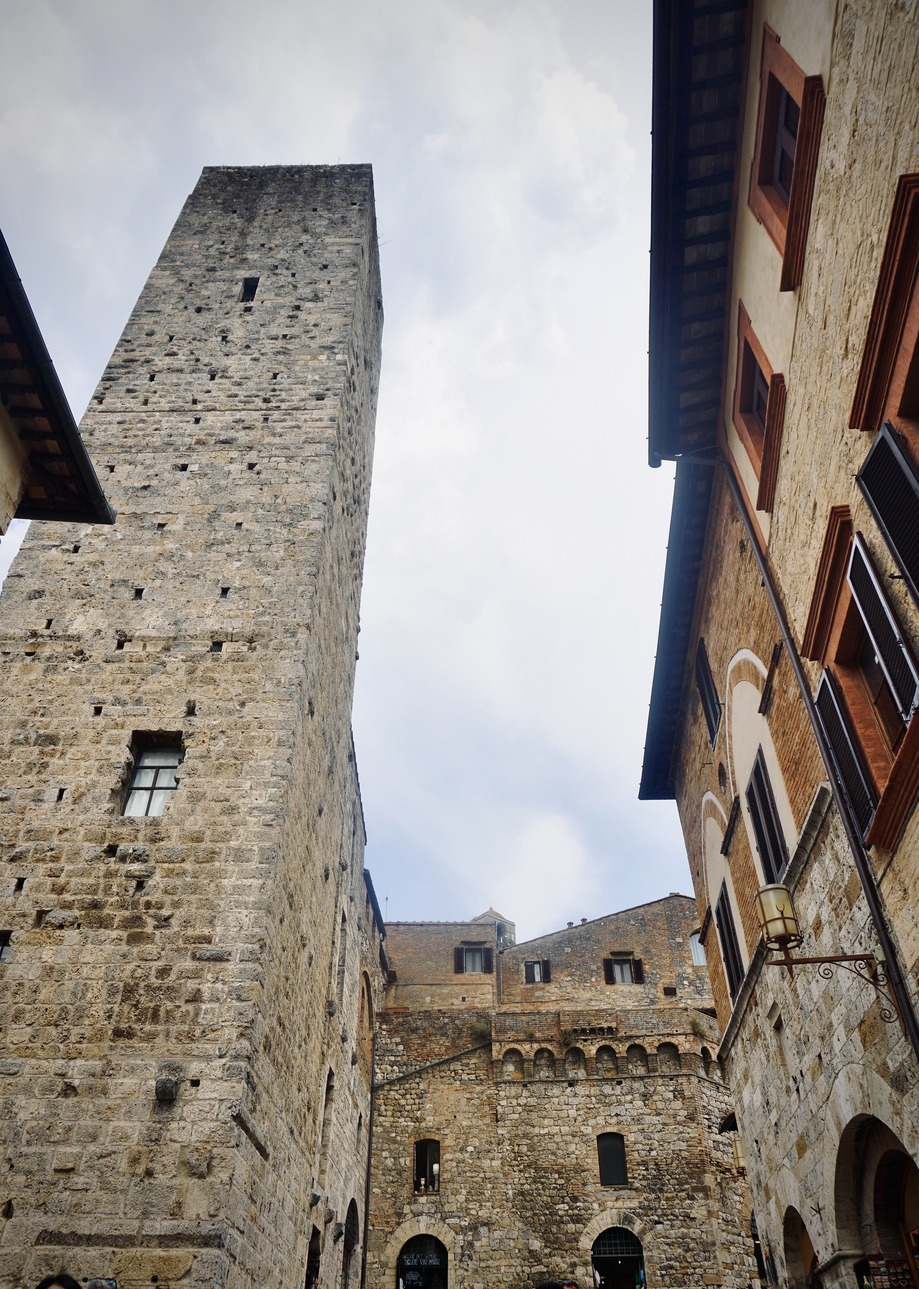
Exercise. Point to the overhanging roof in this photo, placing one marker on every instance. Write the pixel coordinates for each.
(60, 482)
(699, 62)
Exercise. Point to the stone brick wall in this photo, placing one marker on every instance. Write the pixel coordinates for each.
(234, 439)
(516, 1098)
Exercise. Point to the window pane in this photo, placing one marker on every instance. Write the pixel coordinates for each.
(697, 950)
(474, 960)
(136, 803)
(166, 777)
(143, 778)
(158, 801)
(622, 971)
(159, 756)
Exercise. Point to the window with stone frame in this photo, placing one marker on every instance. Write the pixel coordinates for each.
(787, 143)
(708, 692)
(6, 945)
(537, 972)
(473, 959)
(426, 1167)
(156, 758)
(758, 411)
(611, 1159)
(623, 969)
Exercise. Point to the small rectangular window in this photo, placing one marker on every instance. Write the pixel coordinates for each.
(249, 288)
(622, 970)
(697, 949)
(537, 972)
(153, 779)
(6, 947)
(611, 1158)
(473, 959)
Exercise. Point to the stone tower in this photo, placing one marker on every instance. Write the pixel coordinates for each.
(190, 957)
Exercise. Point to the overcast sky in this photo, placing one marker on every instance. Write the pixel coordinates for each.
(517, 535)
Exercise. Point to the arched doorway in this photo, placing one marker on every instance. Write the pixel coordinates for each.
(352, 1231)
(618, 1260)
(877, 1203)
(422, 1264)
(800, 1259)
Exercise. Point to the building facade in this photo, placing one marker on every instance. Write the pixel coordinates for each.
(191, 949)
(785, 317)
(554, 1108)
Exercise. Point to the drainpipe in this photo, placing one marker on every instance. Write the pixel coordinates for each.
(862, 862)
(373, 1069)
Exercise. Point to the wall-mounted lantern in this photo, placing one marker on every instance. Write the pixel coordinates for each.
(781, 932)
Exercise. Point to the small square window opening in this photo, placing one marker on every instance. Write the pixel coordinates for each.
(249, 288)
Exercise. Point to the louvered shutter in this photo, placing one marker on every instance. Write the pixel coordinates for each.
(608, 971)
(638, 971)
(488, 960)
(708, 693)
(727, 934)
(846, 755)
(882, 626)
(546, 971)
(770, 840)
(459, 960)
(889, 481)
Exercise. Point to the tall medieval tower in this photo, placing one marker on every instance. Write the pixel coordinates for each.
(191, 950)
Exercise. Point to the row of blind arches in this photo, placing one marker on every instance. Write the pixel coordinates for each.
(605, 1062)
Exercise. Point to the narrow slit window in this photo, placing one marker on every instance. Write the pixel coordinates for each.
(249, 288)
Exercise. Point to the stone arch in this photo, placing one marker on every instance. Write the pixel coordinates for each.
(406, 1231)
(876, 1179)
(636, 1059)
(668, 1058)
(744, 666)
(603, 1221)
(512, 1064)
(856, 1088)
(575, 1064)
(800, 1258)
(544, 1063)
(606, 1062)
(709, 1064)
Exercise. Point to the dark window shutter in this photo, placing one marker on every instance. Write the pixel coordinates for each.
(546, 971)
(638, 971)
(711, 707)
(529, 975)
(488, 959)
(459, 960)
(770, 840)
(611, 1158)
(608, 971)
(847, 758)
(889, 481)
(727, 935)
(882, 626)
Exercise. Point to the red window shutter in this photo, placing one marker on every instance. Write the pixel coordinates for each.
(459, 960)
(546, 971)
(638, 971)
(608, 971)
(488, 959)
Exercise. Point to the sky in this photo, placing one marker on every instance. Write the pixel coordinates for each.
(517, 535)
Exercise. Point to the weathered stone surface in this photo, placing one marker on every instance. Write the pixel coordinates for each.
(234, 440)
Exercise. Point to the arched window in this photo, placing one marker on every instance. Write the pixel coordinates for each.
(352, 1230)
(512, 1064)
(611, 1157)
(618, 1258)
(668, 1058)
(697, 949)
(426, 1171)
(544, 1064)
(422, 1264)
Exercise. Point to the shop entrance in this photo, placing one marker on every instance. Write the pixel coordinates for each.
(422, 1264)
(618, 1260)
